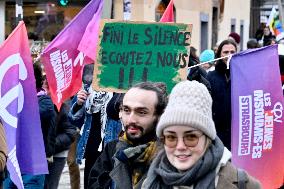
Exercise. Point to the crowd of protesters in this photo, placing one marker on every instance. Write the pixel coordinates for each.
(145, 138)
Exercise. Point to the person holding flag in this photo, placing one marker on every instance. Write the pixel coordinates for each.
(48, 127)
(65, 135)
(65, 57)
(220, 82)
(275, 25)
(47, 114)
(267, 36)
(75, 46)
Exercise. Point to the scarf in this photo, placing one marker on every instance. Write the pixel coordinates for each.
(137, 157)
(162, 175)
(97, 101)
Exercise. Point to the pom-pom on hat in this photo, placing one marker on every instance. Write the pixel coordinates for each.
(235, 36)
(190, 104)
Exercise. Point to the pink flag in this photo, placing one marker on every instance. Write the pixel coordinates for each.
(88, 44)
(168, 15)
(62, 60)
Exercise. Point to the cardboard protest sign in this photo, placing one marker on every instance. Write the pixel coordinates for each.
(132, 52)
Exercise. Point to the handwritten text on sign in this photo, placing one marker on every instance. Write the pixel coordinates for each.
(132, 52)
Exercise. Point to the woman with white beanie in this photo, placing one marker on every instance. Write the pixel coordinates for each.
(193, 156)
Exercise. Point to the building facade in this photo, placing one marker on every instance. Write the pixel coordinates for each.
(212, 20)
(236, 18)
(260, 11)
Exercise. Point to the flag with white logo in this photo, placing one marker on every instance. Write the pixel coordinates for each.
(19, 108)
(257, 115)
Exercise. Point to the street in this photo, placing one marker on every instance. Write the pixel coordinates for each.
(64, 182)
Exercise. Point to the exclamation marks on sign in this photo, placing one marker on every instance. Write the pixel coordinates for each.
(121, 78)
(131, 77)
(145, 74)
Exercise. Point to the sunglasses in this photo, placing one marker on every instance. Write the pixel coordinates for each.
(189, 139)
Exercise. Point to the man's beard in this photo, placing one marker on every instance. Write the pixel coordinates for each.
(144, 137)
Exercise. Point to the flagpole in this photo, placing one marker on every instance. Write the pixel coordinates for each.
(19, 11)
(280, 11)
(223, 57)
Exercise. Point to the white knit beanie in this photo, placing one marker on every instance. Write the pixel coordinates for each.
(190, 104)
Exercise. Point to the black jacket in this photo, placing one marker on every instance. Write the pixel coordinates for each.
(65, 131)
(200, 75)
(114, 105)
(99, 176)
(112, 166)
(47, 119)
(221, 95)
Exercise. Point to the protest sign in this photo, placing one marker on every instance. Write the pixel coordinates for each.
(257, 115)
(132, 52)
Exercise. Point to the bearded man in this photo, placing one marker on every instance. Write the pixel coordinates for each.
(124, 163)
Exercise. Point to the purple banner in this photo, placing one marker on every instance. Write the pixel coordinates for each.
(257, 115)
(19, 108)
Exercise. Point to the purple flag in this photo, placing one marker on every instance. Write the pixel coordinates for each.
(62, 60)
(257, 115)
(89, 42)
(19, 108)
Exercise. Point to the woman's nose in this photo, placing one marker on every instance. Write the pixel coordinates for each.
(180, 144)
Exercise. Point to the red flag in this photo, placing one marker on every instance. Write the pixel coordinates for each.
(62, 60)
(168, 15)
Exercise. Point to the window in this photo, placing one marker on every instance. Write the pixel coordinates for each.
(204, 18)
(233, 25)
(43, 20)
(242, 34)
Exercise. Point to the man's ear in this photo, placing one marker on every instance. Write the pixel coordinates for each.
(120, 112)
(120, 118)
